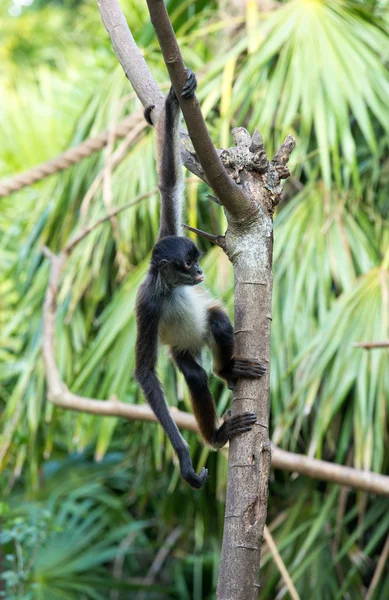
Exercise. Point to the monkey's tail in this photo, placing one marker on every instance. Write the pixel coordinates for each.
(147, 114)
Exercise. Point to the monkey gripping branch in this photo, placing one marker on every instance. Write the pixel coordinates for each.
(248, 186)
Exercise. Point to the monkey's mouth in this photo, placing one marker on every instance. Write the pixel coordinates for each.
(199, 278)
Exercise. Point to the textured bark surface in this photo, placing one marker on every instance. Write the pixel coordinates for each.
(250, 251)
(250, 248)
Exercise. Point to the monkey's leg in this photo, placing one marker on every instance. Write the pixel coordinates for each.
(226, 365)
(204, 406)
(153, 392)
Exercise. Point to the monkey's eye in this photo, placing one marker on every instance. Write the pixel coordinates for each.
(188, 265)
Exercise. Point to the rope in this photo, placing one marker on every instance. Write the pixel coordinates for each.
(67, 159)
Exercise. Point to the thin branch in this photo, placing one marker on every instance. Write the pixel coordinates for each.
(219, 240)
(214, 199)
(371, 345)
(382, 562)
(326, 471)
(160, 558)
(230, 194)
(87, 229)
(280, 564)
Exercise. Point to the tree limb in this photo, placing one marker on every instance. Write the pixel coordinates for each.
(60, 395)
(138, 73)
(129, 55)
(238, 205)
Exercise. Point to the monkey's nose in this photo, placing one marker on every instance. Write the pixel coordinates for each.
(199, 275)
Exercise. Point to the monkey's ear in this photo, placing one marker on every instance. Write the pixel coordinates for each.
(164, 263)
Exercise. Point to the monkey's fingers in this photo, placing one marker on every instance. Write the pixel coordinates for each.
(249, 368)
(240, 424)
(190, 86)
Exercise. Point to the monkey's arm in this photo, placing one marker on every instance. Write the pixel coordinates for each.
(148, 315)
(171, 183)
(226, 365)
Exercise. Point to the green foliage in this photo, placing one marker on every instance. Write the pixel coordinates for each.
(57, 546)
(314, 68)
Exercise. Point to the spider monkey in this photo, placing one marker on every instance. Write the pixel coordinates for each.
(171, 310)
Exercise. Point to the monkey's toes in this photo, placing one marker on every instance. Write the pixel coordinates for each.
(240, 424)
(190, 86)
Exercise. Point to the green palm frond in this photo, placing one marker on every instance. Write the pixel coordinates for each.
(318, 68)
(332, 375)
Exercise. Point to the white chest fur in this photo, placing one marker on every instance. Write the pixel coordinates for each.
(184, 318)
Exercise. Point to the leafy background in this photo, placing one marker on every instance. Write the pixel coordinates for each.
(87, 502)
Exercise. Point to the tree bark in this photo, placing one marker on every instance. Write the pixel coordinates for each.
(250, 455)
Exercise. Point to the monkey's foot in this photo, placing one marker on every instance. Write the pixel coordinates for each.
(190, 86)
(247, 367)
(233, 426)
(189, 474)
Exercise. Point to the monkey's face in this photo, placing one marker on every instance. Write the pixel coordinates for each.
(177, 261)
(176, 273)
(190, 272)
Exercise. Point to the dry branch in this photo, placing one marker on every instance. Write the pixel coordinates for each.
(60, 395)
(280, 564)
(371, 345)
(113, 161)
(381, 564)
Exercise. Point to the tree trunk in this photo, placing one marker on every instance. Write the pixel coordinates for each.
(249, 456)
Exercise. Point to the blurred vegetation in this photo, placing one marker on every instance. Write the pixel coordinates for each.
(76, 528)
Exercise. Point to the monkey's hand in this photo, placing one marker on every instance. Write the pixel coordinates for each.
(188, 89)
(190, 86)
(233, 426)
(189, 474)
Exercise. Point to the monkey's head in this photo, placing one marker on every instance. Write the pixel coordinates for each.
(175, 259)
